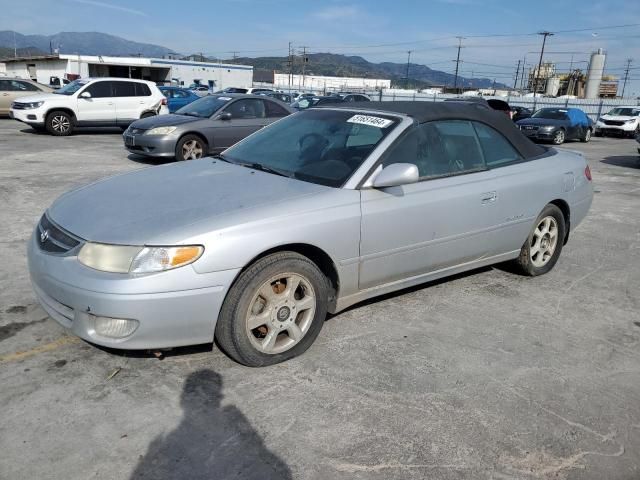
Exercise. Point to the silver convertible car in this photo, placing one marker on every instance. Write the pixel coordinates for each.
(320, 210)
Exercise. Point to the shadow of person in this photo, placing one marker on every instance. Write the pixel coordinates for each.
(211, 442)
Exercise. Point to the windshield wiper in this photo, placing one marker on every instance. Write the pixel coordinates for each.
(219, 156)
(265, 168)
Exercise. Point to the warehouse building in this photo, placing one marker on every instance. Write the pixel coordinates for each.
(160, 70)
(326, 83)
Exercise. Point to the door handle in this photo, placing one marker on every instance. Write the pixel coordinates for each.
(488, 197)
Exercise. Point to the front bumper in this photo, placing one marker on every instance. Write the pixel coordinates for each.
(627, 128)
(174, 308)
(539, 134)
(150, 145)
(32, 116)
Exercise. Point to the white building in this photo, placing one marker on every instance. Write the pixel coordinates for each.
(160, 70)
(318, 82)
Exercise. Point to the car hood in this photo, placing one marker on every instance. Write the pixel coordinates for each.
(620, 118)
(164, 121)
(40, 97)
(147, 205)
(541, 122)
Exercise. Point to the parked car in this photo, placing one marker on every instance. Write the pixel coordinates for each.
(520, 113)
(14, 88)
(283, 97)
(353, 97)
(245, 90)
(307, 102)
(178, 97)
(317, 212)
(57, 82)
(200, 90)
(557, 125)
(210, 124)
(106, 102)
(492, 103)
(623, 121)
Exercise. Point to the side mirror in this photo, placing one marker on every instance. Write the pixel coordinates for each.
(85, 94)
(396, 174)
(224, 116)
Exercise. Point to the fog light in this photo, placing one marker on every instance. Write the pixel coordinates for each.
(114, 327)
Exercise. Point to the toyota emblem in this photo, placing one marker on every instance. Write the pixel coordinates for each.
(44, 236)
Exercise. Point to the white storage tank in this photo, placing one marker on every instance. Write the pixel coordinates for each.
(594, 75)
(553, 85)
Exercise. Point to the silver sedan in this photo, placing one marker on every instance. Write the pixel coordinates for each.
(319, 211)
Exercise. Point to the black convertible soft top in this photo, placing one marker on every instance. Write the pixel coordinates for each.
(430, 111)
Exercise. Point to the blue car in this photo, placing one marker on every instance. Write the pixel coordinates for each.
(557, 125)
(178, 97)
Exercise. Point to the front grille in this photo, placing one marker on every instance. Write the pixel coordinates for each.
(616, 123)
(18, 106)
(529, 127)
(53, 239)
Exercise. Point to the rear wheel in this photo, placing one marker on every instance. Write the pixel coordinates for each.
(59, 123)
(274, 311)
(190, 147)
(542, 248)
(587, 136)
(558, 137)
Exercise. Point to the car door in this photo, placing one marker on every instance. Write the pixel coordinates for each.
(100, 107)
(441, 221)
(6, 96)
(128, 104)
(274, 111)
(247, 116)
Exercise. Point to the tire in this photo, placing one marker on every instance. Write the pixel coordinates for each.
(586, 137)
(263, 320)
(542, 260)
(190, 147)
(559, 137)
(59, 123)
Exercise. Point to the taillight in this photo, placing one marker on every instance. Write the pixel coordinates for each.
(587, 172)
(164, 101)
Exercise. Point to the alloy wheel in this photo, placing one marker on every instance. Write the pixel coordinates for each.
(192, 150)
(280, 313)
(60, 123)
(544, 241)
(559, 137)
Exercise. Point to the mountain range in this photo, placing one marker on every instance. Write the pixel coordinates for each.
(96, 43)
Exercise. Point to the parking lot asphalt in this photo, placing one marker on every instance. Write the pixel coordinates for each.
(487, 375)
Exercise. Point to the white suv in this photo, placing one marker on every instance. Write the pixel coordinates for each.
(105, 102)
(620, 120)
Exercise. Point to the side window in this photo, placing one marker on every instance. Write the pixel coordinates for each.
(272, 109)
(5, 86)
(25, 87)
(167, 93)
(124, 89)
(497, 149)
(438, 149)
(99, 89)
(249, 108)
(143, 90)
(180, 94)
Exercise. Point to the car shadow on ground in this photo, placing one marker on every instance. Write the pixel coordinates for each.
(148, 160)
(627, 161)
(211, 442)
(78, 131)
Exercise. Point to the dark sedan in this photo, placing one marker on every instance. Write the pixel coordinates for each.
(520, 113)
(208, 125)
(557, 125)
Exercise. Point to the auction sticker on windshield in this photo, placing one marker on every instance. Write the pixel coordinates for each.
(369, 120)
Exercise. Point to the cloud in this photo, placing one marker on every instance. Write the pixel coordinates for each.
(111, 6)
(337, 13)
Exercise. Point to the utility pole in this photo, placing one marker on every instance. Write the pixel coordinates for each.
(457, 60)
(290, 64)
(234, 56)
(406, 83)
(544, 34)
(304, 61)
(515, 83)
(626, 75)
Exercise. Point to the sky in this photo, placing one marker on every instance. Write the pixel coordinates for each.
(497, 33)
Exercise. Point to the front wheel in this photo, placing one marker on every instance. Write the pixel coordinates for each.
(558, 137)
(542, 248)
(274, 311)
(59, 123)
(190, 147)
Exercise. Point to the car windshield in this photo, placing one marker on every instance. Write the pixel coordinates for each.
(318, 146)
(71, 88)
(204, 107)
(551, 114)
(625, 112)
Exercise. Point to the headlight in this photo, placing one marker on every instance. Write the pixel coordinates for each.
(631, 121)
(547, 127)
(161, 131)
(136, 259)
(28, 105)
